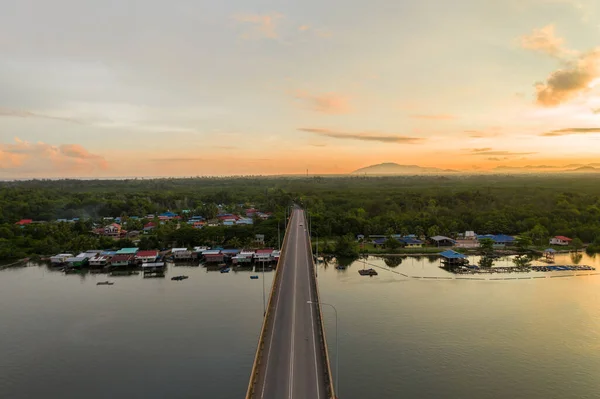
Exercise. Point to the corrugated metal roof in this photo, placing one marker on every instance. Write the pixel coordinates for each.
(127, 251)
(452, 255)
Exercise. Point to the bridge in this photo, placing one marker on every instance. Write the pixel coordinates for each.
(291, 359)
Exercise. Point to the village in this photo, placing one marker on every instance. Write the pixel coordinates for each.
(153, 263)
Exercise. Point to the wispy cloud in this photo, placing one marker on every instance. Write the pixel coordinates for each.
(261, 26)
(571, 130)
(496, 159)
(46, 159)
(489, 152)
(326, 103)
(479, 134)
(544, 40)
(363, 136)
(437, 117)
(595, 110)
(17, 113)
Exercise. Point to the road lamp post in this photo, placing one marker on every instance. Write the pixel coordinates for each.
(337, 346)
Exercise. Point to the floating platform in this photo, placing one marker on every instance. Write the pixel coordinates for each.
(367, 272)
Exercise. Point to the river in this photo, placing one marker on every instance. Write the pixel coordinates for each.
(63, 336)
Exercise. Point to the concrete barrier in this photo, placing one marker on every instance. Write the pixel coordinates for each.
(324, 349)
(266, 318)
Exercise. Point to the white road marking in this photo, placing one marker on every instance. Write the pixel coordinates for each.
(272, 334)
(291, 378)
(312, 322)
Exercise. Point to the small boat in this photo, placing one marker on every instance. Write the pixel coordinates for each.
(254, 277)
(226, 270)
(104, 283)
(179, 278)
(367, 272)
(340, 267)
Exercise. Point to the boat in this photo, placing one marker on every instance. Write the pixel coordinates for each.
(367, 272)
(341, 267)
(104, 283)
(226, 270)
(254, 277)
(179, 278)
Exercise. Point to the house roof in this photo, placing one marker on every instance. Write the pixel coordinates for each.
(153, 252)
(449, 254)
(127, 251)
(409, 240)
(231, 251)
(121, 258)
(441, 238)
(563, 238)
(117, 225)
(550, 250)
(208, 252)
(264, 251)
(23, 222)
(380, 241)
(497, 237)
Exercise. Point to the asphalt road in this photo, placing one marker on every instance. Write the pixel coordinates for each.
(292, 363)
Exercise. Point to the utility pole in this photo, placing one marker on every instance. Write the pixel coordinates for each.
(278, 236)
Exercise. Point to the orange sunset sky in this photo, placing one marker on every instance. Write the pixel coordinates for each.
(198, 87)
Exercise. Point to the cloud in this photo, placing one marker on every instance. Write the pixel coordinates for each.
(496, 159)
(487, 152)
(480, 149)
(571, 130)
(363, 136)
(261, 26)
(326, 103)
(595, 111)
(41, 159)
(577, 74)
(303, 28)
(9, 112)
(545, 41)
(478, 134)
(565, 84)
(438, 117)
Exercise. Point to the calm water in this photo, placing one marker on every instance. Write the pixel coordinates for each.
(63, 336)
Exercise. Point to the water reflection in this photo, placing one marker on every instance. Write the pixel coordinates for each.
(393, 261)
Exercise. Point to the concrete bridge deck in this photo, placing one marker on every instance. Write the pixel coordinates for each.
(291, 359)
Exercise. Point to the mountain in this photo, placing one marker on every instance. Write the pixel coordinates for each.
(390, 168)
(585, 169)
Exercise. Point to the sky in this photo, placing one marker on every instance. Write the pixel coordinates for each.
(196, 87)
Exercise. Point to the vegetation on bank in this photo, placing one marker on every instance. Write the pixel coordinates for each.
(340, 207)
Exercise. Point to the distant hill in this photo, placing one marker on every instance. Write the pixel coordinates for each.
(391, 168)
(585, 169)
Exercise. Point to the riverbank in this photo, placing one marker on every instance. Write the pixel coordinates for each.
(17, 263)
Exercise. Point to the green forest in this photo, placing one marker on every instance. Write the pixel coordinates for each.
(340, 207)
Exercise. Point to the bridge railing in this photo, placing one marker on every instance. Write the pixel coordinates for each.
(267, 316)
(323, 341)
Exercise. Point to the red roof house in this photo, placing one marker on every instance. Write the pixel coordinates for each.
(147, 256)
(24, 222)
(560, 240)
